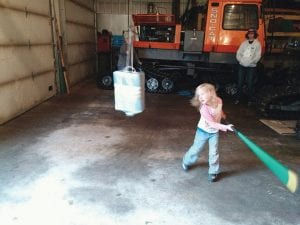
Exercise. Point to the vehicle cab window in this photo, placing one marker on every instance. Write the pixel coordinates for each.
(240, 17)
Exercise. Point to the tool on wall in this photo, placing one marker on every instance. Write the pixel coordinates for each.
(288, 177)
(59, 49)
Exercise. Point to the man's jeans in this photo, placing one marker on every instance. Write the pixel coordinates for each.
(192, 155)
(246, 75)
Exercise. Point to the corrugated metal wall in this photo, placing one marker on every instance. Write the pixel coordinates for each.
(26, 56)
(26, 50)
(136, 6)
(112, 14)
(80, 39)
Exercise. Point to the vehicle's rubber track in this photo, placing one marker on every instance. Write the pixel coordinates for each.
(158, 81)
(281, 102)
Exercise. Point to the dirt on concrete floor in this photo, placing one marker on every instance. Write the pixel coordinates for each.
(74, 160)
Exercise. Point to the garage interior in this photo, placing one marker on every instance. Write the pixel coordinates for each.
(67, 157)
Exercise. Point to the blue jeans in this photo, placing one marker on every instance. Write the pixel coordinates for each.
(246, 75)
(192, 155)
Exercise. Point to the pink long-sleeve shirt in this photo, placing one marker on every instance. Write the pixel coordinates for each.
(211, 117)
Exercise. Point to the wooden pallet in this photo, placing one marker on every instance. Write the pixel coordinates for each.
(283, 127)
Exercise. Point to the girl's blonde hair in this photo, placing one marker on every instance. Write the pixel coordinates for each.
(204, 86)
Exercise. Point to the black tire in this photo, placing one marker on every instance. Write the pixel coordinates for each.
(105, 82)
(152, 85)
(167, 85)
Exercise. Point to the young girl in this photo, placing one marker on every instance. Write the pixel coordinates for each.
(210, 107)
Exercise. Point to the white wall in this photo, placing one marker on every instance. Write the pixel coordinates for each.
(80, 39)
(27, 68)
(113, 23)
(26, 57)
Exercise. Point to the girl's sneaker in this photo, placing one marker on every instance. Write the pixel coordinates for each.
(185, 167)
(212, 177)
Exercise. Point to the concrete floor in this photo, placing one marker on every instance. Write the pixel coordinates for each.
(74, 160)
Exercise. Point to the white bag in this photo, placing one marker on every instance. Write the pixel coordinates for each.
(129, 90)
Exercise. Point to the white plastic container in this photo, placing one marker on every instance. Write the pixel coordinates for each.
(129, 91)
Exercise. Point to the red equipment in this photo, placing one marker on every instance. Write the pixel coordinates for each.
(165, 32)
(104, 42)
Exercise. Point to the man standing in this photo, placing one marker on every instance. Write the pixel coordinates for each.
(248, 55)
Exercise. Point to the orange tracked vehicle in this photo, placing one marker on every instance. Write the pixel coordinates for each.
(203, 48)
